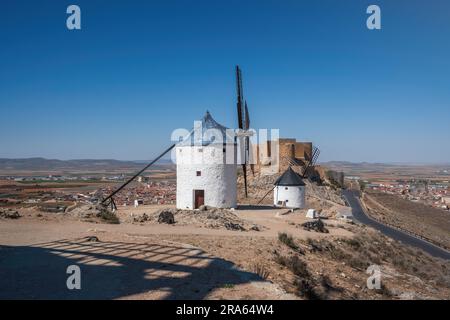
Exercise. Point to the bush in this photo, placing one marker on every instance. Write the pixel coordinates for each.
(261, 270)
(293, 263)
(304, 282)
(306, 289)
(108, 216)
(287, 240)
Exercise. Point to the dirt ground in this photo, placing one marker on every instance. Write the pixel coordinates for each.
(44, 243)
(431, 223)
(160, 261)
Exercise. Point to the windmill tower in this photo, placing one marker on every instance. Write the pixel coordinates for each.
(206, 167)
(289, 190)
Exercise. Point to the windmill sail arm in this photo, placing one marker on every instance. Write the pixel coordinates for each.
(110, 197)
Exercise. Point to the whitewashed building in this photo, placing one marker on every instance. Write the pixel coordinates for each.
(206, 167)
(289, 190)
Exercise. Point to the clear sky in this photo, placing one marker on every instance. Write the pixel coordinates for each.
(139, 69)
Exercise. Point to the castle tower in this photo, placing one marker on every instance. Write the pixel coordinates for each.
(206, 167)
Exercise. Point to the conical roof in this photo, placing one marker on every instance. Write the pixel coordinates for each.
(208, 131)
(289, 178)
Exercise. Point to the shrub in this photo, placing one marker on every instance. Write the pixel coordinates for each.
(261, 270)
(306, 289)
(295, 264)
(287, 240)
(108, 216)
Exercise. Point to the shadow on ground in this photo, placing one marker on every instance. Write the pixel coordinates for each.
(112, 270)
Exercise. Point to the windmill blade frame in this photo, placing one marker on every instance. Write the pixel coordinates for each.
(242, 121)
(109, 200)
(312, 161)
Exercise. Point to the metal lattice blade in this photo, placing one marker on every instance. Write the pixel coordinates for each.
(312, 162)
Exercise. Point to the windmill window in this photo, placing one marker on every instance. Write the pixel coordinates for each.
(199, 173)
(286, 188)
(200, 150)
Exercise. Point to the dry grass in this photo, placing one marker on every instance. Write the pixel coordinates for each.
(372, 248)
(289, 241)
(434, 224)
(261, 270)
(304, 283)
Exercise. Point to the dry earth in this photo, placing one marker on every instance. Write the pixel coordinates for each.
(431, 223)
(148, 260)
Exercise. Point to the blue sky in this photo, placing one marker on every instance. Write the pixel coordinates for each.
(139, 69)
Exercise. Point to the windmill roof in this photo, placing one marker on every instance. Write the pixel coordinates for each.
(289, 178)
(208, 131)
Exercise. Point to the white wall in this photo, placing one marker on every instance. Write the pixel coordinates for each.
(217, 179)
(294, 194)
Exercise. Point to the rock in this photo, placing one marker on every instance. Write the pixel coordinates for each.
(317, 226)
(166, 217)
(142, 218)
(9, 214)
(203, 208)
(233, 226)
(92, 239)
(213, 215)
(255, 228)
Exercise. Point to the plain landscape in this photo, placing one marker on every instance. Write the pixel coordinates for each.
(48, 220)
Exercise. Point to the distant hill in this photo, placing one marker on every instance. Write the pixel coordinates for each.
(78, 164)
(381, 165)
(408, 169)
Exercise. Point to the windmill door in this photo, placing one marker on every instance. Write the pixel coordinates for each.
(199, 198)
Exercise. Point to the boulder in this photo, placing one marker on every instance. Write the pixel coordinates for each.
(166, 217)
(317, 226)
(9, 214)
(234, 226)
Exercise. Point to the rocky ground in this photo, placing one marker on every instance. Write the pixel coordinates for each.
(205, 217)
(431, 223)
(9, 214)
(281, 261)
(253, 252)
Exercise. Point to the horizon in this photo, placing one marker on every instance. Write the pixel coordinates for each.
(118, 87)
(168, 159)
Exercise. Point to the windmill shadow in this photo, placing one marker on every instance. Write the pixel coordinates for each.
(111, 270)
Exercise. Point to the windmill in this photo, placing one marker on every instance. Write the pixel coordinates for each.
(243, 125)
(306, 166)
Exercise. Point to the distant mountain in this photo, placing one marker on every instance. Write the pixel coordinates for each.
(78, 164)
